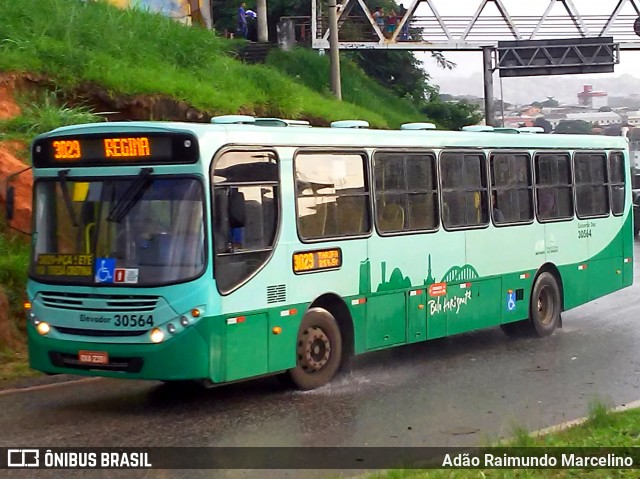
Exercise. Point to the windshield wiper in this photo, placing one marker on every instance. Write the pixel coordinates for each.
(62, 176)
(131, 196)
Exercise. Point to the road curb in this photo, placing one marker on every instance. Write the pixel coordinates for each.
(576, 422)
(17, 388)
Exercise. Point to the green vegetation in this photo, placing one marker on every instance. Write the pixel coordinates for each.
(14, 258)
(14, 254)
(603, 428)
(574, 127)
(14, 365)
(313, 71)
(42, 113)
(132, 52)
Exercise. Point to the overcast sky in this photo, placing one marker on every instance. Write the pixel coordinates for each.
(470, 63)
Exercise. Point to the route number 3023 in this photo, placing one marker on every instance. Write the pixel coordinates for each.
(584, 233)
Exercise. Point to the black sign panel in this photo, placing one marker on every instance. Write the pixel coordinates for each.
(114, 149)
(557, 57)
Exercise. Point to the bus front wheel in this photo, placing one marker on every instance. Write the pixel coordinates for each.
(318, 350)
(545, 305)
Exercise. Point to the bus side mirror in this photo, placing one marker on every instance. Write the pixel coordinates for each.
(237, 209)
(10, 202)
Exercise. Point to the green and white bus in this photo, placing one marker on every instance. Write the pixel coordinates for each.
(250, 247)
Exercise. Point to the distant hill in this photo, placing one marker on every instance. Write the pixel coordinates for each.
(528, 89)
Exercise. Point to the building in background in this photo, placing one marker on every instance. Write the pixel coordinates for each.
(592, 99)
(189, 12)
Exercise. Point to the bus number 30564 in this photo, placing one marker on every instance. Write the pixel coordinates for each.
(584, 233)
(133, 320)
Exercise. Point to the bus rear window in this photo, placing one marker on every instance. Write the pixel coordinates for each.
(616, 182)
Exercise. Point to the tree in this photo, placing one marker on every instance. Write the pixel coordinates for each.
(577, 127)
(544, 124)
(450, 115)
(501, 105)
(399, 71)
(550, 102)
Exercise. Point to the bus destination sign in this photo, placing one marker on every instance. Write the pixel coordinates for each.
(317, 260)
(105, 150)
(111, 148)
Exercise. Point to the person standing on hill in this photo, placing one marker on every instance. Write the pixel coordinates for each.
(242, 21)
(378, 16)
(252, 27)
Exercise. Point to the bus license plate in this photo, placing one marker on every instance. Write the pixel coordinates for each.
(93, 357)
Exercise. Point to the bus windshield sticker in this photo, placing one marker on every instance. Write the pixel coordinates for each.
(125, 275)
(318, 260)
(64, 265)
(105, 270)
(438, 289)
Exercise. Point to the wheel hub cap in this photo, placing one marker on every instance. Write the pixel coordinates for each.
(314, 349)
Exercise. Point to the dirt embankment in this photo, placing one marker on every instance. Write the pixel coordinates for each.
(10, 162)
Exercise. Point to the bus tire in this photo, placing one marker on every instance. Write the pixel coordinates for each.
(545, 305)
(318, 350)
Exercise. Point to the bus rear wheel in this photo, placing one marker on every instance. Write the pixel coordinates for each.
(318, 350)
(545, 305)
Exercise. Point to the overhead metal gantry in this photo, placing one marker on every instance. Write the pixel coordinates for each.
(423, 26)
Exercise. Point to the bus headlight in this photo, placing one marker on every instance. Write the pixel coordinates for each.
(43, 328)
(171, 328)
(157, 336)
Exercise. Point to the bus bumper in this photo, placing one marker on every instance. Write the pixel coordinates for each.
(183, 357)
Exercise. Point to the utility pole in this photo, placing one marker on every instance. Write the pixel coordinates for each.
(263, 29)
(489, 115)
(334, 52)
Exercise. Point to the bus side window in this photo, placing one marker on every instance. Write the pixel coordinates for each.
(616, 182)
(592, 197)
(406, 191)
(464, 189)
(511, 187)
(332, 195)
(554, 187)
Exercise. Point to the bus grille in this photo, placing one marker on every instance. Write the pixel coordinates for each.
(276, 293)
(98, 302)
(99, 332)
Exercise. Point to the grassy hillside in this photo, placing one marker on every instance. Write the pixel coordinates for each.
(132, 52)
(313, 71)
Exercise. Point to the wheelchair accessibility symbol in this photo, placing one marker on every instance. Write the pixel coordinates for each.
(104, 270)
(511, 300)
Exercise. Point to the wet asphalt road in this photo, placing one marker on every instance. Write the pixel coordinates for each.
(464, 390)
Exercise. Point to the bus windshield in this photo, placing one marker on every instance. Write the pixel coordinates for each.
(145, 230)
